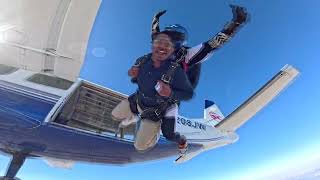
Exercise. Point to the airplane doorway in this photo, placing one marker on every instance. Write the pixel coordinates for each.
(89, 108)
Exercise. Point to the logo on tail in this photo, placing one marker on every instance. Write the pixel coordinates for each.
(215, 116)
(212, 113)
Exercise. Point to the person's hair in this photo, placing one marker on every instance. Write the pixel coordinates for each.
(177, 33)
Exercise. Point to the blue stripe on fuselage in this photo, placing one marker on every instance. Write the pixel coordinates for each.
(22, 104)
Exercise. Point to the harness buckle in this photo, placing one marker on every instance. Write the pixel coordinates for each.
(166, 79)
(157, 112)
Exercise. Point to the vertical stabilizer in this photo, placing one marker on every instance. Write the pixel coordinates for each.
(212, 113)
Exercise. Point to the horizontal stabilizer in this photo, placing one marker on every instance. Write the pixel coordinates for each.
(260, 99)
(188, 157)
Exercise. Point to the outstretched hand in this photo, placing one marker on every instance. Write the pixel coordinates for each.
(133, 72)
(240, 14)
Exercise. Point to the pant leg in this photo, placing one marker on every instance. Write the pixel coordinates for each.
(147, 135)
(168, 129)
(169, 123)
(122, 111)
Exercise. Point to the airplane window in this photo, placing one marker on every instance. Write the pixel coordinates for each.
(4, 69)
(51, 81)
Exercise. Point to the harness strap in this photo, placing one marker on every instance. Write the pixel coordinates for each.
(185, 66)
(181, 54)
(139, 62)
(167, 77)
(157, 113)
(133, 103)
(153, 113)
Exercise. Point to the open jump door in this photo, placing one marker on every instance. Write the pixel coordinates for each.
(88, 107)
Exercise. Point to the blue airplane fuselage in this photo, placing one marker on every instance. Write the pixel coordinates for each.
(22, 129)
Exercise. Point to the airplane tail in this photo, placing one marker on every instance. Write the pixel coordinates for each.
(212, 113)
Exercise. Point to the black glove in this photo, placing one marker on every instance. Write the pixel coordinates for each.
(240, 14)
(160, 13)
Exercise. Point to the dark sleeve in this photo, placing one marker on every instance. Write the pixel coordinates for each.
(155, 27)
(141, 60)
(223, 36)
(240, 17)
(213, 44)
(193, 74)
(181, 87)
(198, 54)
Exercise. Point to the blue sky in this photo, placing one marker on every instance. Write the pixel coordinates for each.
(284, 134)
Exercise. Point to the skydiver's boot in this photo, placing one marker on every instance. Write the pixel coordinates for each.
(182, 146)
(124, 123)
(128, 121)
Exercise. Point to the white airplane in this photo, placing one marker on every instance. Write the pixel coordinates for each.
(47, 112)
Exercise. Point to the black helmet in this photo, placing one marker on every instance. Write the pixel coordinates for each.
(177, 33)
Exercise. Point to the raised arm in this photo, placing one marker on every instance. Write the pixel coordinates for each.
(240, 16)
(155, 28)
(202, 52)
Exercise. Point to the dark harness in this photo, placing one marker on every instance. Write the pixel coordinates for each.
(156, 113)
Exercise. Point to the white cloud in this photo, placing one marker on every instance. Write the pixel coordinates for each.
(305, 164)
(296, 166)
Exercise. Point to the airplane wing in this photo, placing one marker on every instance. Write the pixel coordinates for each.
(46, 35)
(260, 99)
